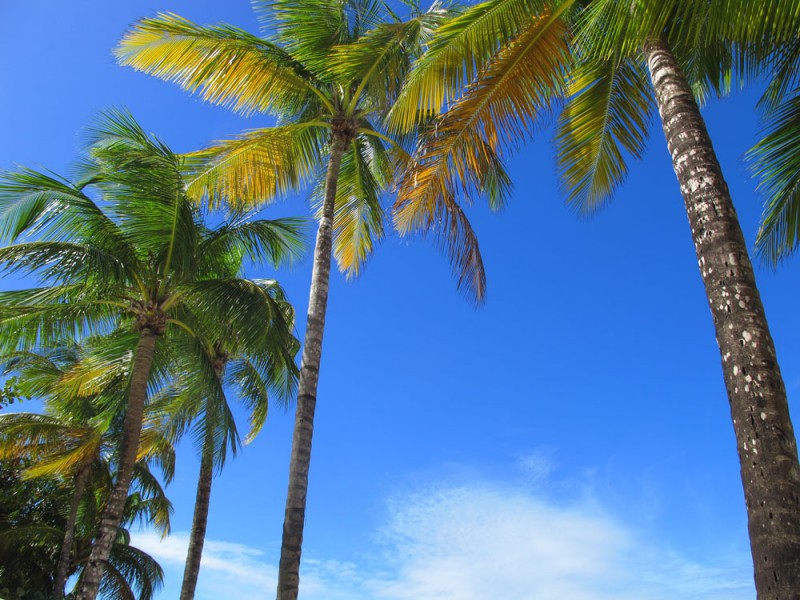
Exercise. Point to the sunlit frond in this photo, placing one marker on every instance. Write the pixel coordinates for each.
(225, 65)
(607, 115)
(256, 167)
(462, 155)
(461, 49)
(358, 217)
(775, 161)
(278, 241)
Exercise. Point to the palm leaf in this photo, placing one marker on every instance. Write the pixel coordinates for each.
(607, 115)
(224, 64)
(255, 167)
(775, 161)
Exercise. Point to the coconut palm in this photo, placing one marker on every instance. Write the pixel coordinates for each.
(139, 258)
(329, 71)
(32, 525)
(83, 391)
(199, 400)
(689, 48)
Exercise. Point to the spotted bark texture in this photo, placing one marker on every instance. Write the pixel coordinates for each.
(294, 520)
(129, 447)
(759, 408)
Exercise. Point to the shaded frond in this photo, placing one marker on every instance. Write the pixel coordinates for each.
(607, 115)
(775, 161)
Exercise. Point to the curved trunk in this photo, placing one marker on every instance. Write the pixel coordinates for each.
(294, 520)
(69, 533)
(200, 518)
(129, 446)
(764, 435)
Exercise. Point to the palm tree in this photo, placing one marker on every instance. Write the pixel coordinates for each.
(33, 524)
(198, 400)
(82, 387)
(498, 49)
(329, 71)
(139, 258)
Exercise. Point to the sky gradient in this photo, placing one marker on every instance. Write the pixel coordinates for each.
(569, 439)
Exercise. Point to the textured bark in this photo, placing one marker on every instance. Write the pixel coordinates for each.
(129, 446)
(69, 533)
(294, 520)
(200, 519)
(759, 408)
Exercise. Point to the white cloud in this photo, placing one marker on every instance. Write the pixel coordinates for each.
(477, 542)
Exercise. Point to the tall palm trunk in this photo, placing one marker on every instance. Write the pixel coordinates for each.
(294, 520)
(200, 518)
(129, 446)
(69, 533)
(764, 435)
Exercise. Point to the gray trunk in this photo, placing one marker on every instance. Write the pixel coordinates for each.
(200, 519)
(764, 435)
(64, 558)
(294, 520)
(129, 446)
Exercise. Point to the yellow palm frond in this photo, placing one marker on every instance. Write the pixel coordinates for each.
(256, 167)
(462, 48)
(224, 64)
(69, 461)
(462, 154)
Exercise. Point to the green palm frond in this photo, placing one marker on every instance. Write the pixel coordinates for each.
(65, 261)
(461, 49)
(256, 167)
(131, 574)
(224, 64)
(253, 392)
(607, 115)
(308, 29)
(775, 161)
(277, 241)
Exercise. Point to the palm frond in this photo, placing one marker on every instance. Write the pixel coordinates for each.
(460, 50)
(256, 167)
(223, 64)
(607, 115)
(775, 161)
(358, 216)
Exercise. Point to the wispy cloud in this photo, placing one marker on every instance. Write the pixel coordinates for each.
(480, 541)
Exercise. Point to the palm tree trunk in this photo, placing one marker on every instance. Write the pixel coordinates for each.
(129, 446)
(69, 533)
(294, 520)
(764, 435)
(200, 518)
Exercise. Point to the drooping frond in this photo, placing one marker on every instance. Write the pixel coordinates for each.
(358, 217)
(462, 48)
(131, 574)
(462, 154)
(224, 64)
(255, 167)
(775, 161)
(607, 115)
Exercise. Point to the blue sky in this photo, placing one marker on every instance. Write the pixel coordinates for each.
(571, 438)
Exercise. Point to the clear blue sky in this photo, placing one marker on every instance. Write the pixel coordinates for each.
(570, 439)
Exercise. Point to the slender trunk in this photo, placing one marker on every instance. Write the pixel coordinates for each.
(200, 518)
(294, 520)
(129, 446)
(69, 533)
(764, 435)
